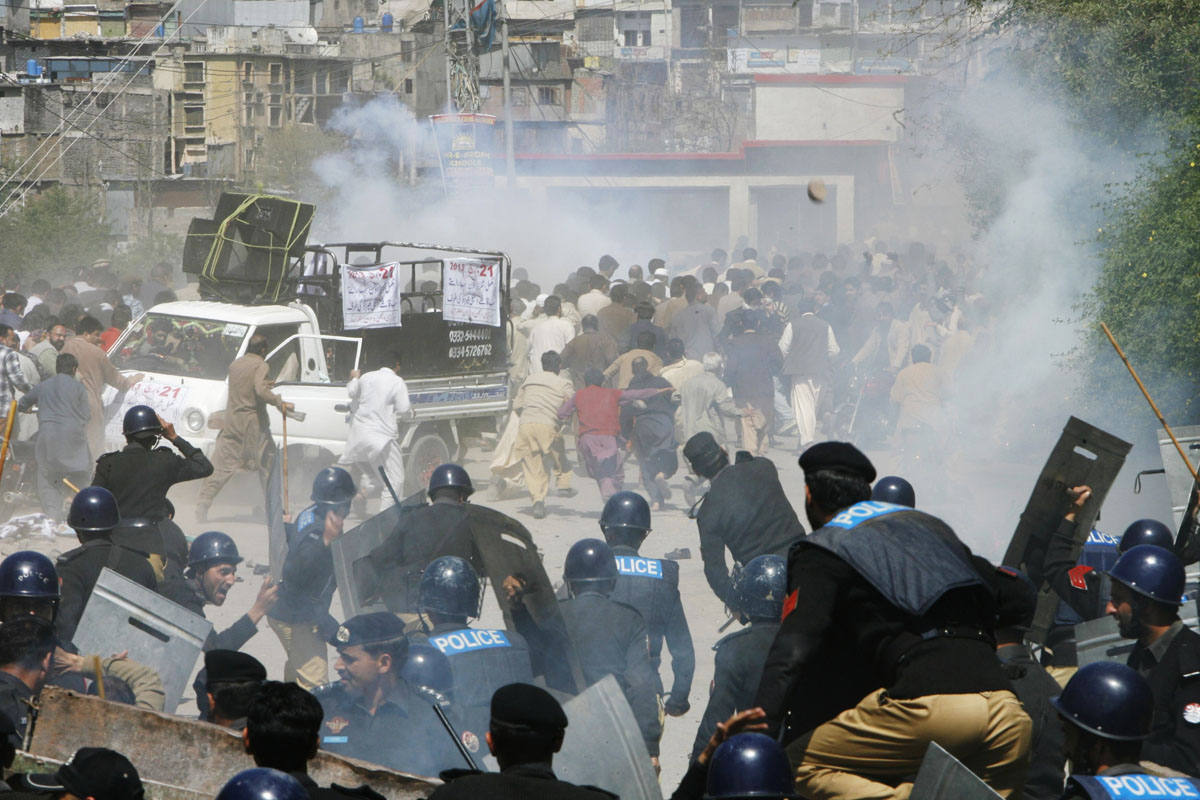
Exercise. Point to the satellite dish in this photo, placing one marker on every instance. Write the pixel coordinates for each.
(301, 32)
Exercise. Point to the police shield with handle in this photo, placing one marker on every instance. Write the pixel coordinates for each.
(481, 660)
(1106, 710)
(651, 586)
(300, 617)
(94, 516)
(1147, 591)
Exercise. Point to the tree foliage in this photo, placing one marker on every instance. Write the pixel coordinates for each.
(1129, 71)
(54, 233)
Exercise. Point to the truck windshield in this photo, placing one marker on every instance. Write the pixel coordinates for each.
(171, 345)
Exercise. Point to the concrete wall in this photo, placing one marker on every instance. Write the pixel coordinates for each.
(834, 112)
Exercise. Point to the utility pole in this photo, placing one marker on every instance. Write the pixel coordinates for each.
(462, 63)
(509, 160)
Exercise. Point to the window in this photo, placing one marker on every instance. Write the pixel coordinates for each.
(193, 72)
(323, 82)
(248, 72)
(408, 86)
(193, 116)
(547, 95)
(407, 50)
(276, 73)
(340, 81)
(275, 116)
(285, 365)
(248, 106)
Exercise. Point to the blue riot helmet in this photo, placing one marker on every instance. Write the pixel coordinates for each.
(94, 511)
(1147, 531)
(427, 670)
(333, 486)
(760, 587)
(141, 419)
(749, 765)
(212, 547)
(590, 565)
(262, 783)
(28, 585)
(626, 511)
(894, 490)
(1151, 572)
(450, 586)
(451, 476)
(1109, 700)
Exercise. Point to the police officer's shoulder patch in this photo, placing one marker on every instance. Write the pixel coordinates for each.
(337, 724)
(307, 517)
(470, 741)
(1191, 713)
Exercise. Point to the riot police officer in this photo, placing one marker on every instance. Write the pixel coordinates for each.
(758, 591)
(374, 714)
(442, 528)
(94, 516)
(651, 586)
(1147, 591)
(300, 617)
(1106, 709)
(481, 660)
(895, 490)
(140, 474)
(610, 637)
(28, 586)
(211, 572)
(1077, 580)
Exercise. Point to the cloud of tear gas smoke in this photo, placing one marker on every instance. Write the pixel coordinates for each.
(1014, 392)
(362, 196)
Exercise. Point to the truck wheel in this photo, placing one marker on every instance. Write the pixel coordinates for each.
(428, 452)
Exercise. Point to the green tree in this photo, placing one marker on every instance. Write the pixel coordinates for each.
(54, 233)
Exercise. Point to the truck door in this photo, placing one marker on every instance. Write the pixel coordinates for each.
(314, 370)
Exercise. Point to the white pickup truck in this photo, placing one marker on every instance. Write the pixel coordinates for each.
(185, 348)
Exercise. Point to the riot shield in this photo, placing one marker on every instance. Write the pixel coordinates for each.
(1179, 480)
(1084, 455)
(184, 752)
(943, 777)
(604, 747)
(123, 615)
(357, 543)
(1098, 639)
(505, 547)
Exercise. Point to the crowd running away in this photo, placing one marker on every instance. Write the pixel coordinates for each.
(874, 655)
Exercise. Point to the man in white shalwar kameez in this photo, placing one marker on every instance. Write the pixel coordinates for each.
(377, 399)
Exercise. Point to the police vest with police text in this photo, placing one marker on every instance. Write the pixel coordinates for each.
(651, 586)
(482, 660)
(1133, 786)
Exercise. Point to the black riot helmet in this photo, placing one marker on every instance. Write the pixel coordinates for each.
(895, 490)
(94, 511)
(140, 419)
(449, 586)
(450, 476)
(28, 573)
(28, 586)
(625, 519)
(262, 783)
(333, 486)
(760, 587)
(212, 547)
(428, 671)
(1108, 700)
(1146, 531)
(749, 765)
(590, 566)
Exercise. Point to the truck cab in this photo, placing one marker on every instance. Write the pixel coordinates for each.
(456, 373)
